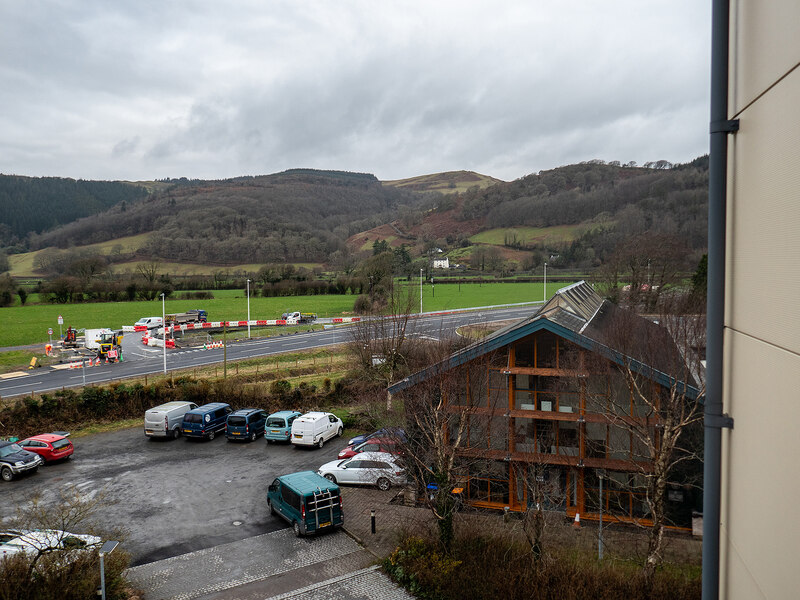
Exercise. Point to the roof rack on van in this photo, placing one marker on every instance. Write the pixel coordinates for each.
(322, 499)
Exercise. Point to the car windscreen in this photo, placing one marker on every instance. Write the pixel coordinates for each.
(10, 449)
(63, 443)
(192, 418)
(237, 421)
(276, 422)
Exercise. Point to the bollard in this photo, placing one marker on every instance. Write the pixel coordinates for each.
(506, 514)
(372, 518)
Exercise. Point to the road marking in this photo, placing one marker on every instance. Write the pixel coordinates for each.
(16, 374)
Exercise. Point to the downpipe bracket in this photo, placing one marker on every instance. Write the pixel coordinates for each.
(725, 126)
(718, 421)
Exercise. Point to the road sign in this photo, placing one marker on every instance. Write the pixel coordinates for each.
(60, 320)
(49, 331)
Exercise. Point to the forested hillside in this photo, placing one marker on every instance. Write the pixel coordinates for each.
(36, 204)
(299, 215)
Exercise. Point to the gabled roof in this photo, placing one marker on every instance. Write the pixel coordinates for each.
(578, 314)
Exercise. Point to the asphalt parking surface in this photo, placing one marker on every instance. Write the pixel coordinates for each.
(171, 496)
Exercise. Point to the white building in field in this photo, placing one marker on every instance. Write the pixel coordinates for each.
(441, 263)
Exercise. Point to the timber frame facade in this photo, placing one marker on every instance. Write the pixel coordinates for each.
(548, 409)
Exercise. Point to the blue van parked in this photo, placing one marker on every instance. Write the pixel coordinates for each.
(279, 426)
(205, 421)
(246, 424)
(307, 501)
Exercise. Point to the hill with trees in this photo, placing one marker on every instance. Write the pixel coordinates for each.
(31, 205)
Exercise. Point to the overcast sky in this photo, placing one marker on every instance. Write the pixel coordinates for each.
(140, 89)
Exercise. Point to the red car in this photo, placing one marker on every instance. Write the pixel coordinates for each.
(50, 446)
(371, 445)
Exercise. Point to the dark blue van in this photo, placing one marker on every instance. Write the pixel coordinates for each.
(246, 424)
(307, 501)
(205, 421)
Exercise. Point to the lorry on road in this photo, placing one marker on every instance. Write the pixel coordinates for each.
(297, 317)
(195, 315)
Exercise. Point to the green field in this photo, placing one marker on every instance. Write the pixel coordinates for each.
(28, 324)
(528, 235)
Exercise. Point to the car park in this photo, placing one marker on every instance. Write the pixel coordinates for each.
(396, 433)
(50, 446)
(206, 421)
(372, 445)
(309, 502)
(279, 426)
(316, 428)
(245, 424)
(367, 468)
(14, 460)
(43, 541)
(166, 420)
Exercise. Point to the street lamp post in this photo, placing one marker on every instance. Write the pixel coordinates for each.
(164, 329)
(420, 291)
(107, 548)
(544, 294)
(248, 309)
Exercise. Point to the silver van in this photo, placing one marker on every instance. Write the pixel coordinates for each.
(165, 420)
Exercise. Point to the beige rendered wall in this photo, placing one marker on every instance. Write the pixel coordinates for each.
(760, 531)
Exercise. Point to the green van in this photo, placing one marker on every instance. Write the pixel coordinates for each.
(307, 501)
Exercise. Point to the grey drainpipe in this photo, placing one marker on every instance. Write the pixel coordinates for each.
(720, 128)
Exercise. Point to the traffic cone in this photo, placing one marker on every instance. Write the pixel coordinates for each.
(577, 522)
(106, 359)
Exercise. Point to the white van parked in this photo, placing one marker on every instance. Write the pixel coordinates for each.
(316, 428)
(165, 420)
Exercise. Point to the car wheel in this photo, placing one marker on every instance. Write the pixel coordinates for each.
(296, 527)
(176, 433)
(271, 508)
(339, 433)
(330, 477)
(253, 437)
(321, 442)
(6, 474)
(210, 436)
(383, 484)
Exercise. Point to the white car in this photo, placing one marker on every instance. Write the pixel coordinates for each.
(35, 541)
(380, 469)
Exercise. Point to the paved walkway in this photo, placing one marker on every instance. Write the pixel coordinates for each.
(279, 565)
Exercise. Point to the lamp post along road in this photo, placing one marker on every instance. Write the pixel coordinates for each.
(544, 294)
(164, 329)
(420, 291)
(248, 309)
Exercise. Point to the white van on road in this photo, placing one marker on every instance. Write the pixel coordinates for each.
(149, 322)
(316, 428)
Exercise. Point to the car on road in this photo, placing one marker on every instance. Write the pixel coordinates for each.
(50, 446)
(245, 424)
(308, 502)
(43, 541)
(380, 469)
(395, 433)
(316, 428)
(279, 425)
(372, 445)
(14, 460)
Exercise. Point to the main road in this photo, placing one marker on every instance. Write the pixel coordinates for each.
(142, 360)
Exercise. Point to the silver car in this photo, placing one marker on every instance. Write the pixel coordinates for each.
(380, 469)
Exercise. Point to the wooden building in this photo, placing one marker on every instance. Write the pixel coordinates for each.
(547, 407)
